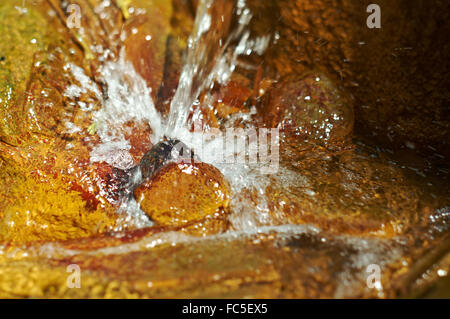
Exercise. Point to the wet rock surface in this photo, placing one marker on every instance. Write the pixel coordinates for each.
(201, 192)
(309, 107)
(396, 74)
(354, 198)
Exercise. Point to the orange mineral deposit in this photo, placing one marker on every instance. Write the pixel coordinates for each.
(180, 194)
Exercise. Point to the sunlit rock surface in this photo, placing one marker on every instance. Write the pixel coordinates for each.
(201, 192)
(77, 113)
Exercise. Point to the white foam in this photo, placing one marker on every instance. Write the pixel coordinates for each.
(85, 83)
(127, 99)
(115, 152)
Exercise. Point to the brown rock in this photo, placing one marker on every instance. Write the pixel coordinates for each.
(309, 108)
(180, 194)
(146, 41)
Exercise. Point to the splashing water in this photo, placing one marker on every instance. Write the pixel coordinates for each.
(212, 58)
(220, 35)
(207, 58)
(128, 99)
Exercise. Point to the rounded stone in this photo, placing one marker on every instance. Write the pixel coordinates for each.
(310, 107)
(183, 193)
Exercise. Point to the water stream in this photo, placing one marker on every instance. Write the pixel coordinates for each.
(220, 35)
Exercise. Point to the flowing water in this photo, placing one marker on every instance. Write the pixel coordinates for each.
(208, 58)
(220, 35)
